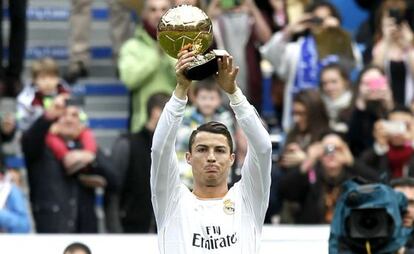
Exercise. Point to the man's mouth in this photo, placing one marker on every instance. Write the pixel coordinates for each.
(211, 169)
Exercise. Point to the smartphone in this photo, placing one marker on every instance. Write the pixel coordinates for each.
(229, 4)
(315, 20)
(395, 127)
(397, 15)
(379, 83)
(75, 101)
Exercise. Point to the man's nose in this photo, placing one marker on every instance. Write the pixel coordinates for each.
(211, 157)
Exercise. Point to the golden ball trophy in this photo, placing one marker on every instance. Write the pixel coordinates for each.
(184, 26)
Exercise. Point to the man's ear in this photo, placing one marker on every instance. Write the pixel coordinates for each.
(188, 157)
(232, 158)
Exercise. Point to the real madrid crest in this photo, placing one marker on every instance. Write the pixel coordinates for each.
(228, 207)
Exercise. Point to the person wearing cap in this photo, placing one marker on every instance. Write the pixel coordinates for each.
(211, 218)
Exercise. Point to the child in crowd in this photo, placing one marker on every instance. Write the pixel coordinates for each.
(37, 96)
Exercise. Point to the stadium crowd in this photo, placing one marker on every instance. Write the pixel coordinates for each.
(342, 106)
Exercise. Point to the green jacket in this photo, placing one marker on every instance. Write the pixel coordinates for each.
(145, 69)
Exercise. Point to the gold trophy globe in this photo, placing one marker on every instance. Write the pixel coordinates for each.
(188, 26)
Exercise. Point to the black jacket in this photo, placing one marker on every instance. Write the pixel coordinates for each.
(380, 164)
(60, 203)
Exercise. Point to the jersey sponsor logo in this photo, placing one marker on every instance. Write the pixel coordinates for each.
(213, 239)
(228, 207)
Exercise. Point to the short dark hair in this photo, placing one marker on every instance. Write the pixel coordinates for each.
(77, 246)
(157, 100)
(334, 12)
(398, 108)
(402, 182)
(212, 127)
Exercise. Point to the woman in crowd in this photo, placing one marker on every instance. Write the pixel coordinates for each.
(337, 96)
(309, 121)
(373, 100)
(394, 49)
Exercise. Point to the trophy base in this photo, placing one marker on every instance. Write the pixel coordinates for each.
(204, 66)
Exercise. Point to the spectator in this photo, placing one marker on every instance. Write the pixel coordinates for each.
(14, 213)
(313, 188)
(392, 152)
(394, 49)
(10, 76)
(337, 96)
(80, 32)
(77, 248)
(10, 137)
(310, 121)
(131, 155)
(300, 50)
(143, 66)
(406, 186)
(63, 170)
(373, 100)
(239, 29)
(207, 107)
(37, 96)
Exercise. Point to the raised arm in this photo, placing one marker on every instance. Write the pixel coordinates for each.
(165, 180)
(255, 181)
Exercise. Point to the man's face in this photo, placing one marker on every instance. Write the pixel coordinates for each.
(409, 194)
(154, 10)
(210, 158)
(70, 124)
(208, 101)
(77, 252)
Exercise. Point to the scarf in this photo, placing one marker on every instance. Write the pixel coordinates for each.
(398, 156)
(334, 107)
(152, 31)
(309, 66)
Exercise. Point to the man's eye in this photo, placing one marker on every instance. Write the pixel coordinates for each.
(201, 150)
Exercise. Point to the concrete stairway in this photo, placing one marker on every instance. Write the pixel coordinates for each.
(106, 97)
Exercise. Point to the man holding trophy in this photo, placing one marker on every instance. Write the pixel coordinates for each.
(211, 218)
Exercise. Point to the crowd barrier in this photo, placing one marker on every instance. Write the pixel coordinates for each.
(275, 239)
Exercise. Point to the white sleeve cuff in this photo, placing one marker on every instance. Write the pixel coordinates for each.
(380, 149)
(237, 97)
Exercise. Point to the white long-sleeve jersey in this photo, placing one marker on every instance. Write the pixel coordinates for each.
(232, 224)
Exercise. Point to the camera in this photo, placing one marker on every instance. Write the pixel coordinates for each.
(395, 127)
(397, 14)
(368, 219)
(329, 149)
(78, 101)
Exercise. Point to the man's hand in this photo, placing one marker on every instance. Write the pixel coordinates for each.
(226, 76)
(76, 160)
(92, 181)
(183, 83)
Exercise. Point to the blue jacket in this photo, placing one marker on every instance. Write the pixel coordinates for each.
(14, 217)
